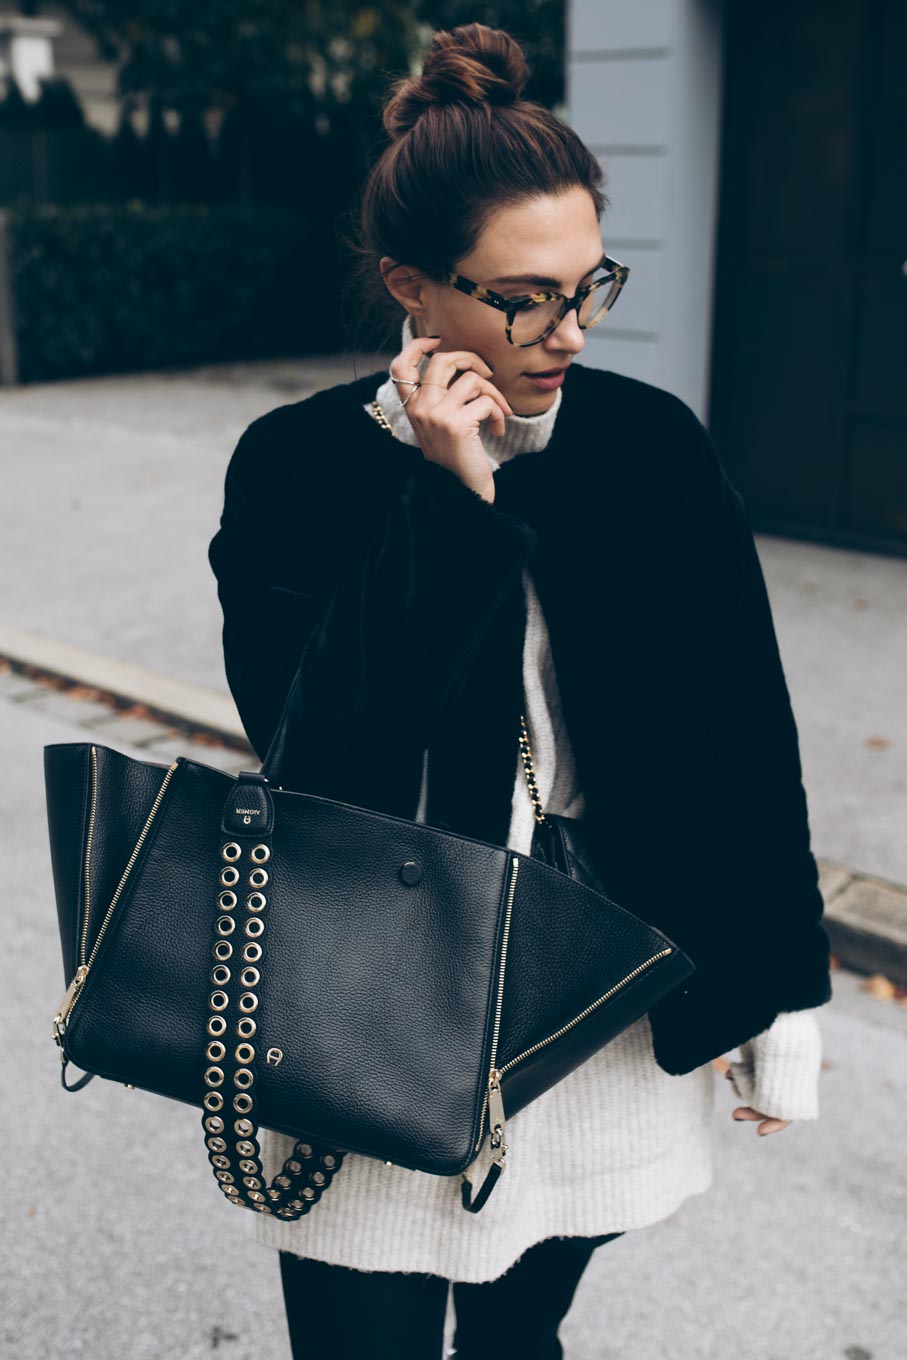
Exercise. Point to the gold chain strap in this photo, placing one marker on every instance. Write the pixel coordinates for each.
(530, 772)
(525, 751)
(379, 415)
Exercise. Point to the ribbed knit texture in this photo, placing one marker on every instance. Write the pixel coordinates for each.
(619, 1143)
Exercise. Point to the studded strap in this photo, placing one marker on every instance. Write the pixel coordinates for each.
(232, 1054)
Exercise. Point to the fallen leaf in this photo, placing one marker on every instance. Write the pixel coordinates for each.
(879, 986)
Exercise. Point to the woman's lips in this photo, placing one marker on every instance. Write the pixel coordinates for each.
(546, 381)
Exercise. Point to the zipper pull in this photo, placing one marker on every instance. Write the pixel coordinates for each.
(66, 1004)
(496, 1113)
(496, 1130)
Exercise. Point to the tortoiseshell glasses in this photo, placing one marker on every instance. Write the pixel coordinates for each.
(532, 316)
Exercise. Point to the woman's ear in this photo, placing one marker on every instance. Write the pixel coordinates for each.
(405, 283)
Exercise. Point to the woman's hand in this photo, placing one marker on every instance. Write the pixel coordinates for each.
(769, 1125)
(448, 409)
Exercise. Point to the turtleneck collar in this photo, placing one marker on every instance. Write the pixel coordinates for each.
(521, 433)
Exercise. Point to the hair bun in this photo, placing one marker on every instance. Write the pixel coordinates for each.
(470, 64)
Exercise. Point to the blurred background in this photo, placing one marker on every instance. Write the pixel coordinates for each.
(170, 172)
(176, 180)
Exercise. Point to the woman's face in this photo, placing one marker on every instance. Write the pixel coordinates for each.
(547, 242)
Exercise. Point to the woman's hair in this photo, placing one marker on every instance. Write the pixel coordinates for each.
(463, 143)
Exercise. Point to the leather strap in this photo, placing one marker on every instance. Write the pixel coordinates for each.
(490, 1181)
(232, 1054)
(76, 1085)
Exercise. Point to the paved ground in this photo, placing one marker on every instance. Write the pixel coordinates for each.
(113, 1244)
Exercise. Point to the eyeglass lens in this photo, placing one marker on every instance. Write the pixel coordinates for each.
(536, 319)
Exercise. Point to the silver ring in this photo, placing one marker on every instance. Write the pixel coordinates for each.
(409, 383)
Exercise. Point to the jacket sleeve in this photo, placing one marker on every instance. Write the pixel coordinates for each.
(761, 780)
(348, 625)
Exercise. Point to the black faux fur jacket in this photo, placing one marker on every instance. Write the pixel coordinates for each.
(374, 602)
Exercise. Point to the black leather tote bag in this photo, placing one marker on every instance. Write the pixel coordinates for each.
(358, 981)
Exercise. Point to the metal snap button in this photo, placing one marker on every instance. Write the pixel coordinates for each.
(410, 871)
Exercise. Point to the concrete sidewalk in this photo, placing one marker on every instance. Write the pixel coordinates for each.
(117, 491)
(116, 1245)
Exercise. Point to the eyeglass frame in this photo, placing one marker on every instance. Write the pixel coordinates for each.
(515, 304)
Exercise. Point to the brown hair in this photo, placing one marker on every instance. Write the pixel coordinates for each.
(463, 144)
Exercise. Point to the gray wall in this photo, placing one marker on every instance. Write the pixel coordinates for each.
(643, 91)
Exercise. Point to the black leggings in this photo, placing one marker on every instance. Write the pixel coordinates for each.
(335, 1313)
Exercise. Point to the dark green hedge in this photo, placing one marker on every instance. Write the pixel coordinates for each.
(106, 288)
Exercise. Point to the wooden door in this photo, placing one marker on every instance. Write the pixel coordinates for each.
(809, 371)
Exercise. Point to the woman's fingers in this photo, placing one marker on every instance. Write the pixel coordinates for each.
(769, 1124)
(466, 387)
(446, 405)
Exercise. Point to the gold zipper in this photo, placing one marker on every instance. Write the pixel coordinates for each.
(493, 1090)
(563, 1030)
(74, 990)
(88, 840)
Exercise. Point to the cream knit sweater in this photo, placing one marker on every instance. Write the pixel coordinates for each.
(617, 1144)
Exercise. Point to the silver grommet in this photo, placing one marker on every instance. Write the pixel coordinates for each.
(216, 1051)
(242, 1104)
(258, 878)
(244, 1054)
(231, 851)
(255, 926)
(218, 1001)
(214, 1100)
(223, 949)
(260, 854)
(229, 876)
(252, 952)
(221, 1161)
(243, 1078)
(227, 900)
(214, 1076)
(248, 1002)
(217, 1026)
(247, 1149)
(256, 901)
(246, 1027)
(214, 1123)
(220, 974)
(225, 925)
(250, 977)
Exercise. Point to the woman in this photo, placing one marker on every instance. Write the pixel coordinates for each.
(402, 562)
